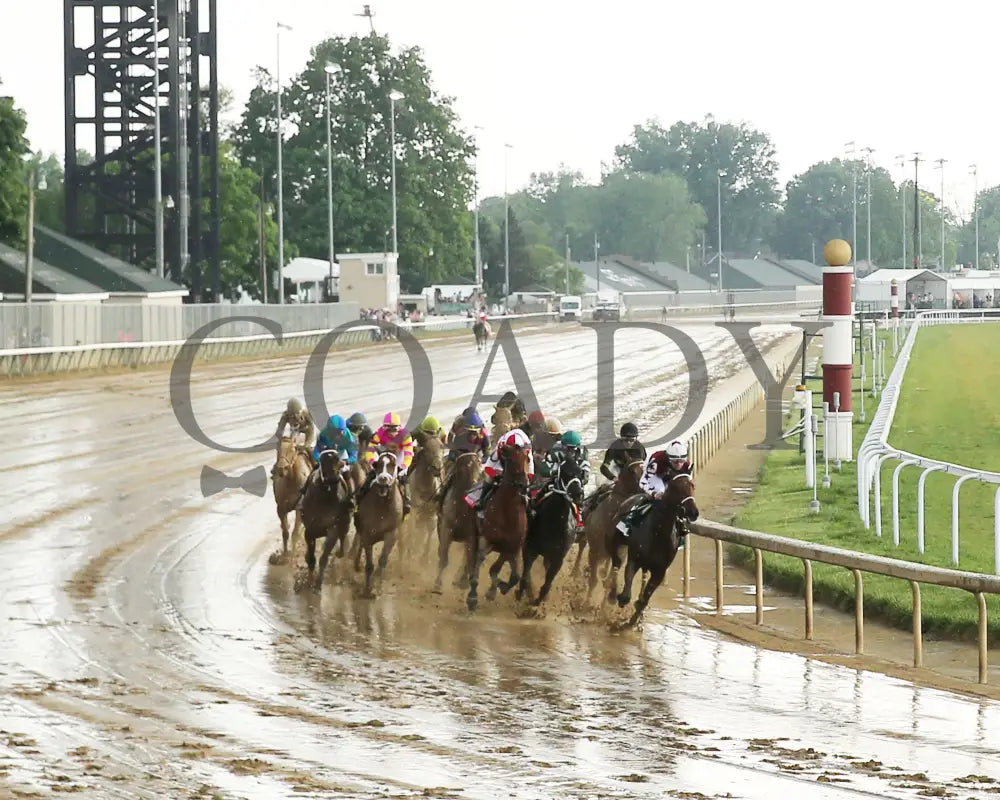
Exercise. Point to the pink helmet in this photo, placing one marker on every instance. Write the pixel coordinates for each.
(392, 418)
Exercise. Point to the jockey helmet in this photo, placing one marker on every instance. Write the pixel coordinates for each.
(391, 420)
(571, 439)
(473, 420)
(629, 431)
(469, 410)
(507, 400)
(677, 453)
(294, 406)
(430, 425)
(536, 418)
(553, 426)
(357, 419)
(337, 423)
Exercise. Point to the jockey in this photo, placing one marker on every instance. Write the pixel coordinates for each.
(620, 453)
(516, 406)
(472, 439)
(458, 426)
(428, 429)
(569, 447)
(358, 425)
(547, 437)
(495, 466)
(392, 436)
(661, 467)
(298, 421)
(535, 423)
(336, 436)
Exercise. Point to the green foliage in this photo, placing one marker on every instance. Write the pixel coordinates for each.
(697, 152)
(434, 179)
(13, 189)
(50, 201)
(989, 232)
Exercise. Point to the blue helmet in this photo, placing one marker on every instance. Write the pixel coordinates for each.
(337, 423)
(473, 420)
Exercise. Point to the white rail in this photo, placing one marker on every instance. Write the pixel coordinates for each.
(875, 448)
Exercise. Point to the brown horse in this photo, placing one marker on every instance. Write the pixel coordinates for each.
(599, 521)
(378, 518)
(503, 528)
(502, 423)
(291, 471)
(652, 544)
(326, 508)
(457, 521)
(481, 330)
(426, 473)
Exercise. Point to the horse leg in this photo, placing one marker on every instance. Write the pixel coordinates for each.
(491, 593)
(310, 551)
(444, 545)
(369, 570)
(525, 585)
(581, 548)
(476, 556)
(515, 577)
(655, 579)
(356, 550)
(383, 559)
(283, 519)
(631, 567)
(612, 580)
(328, 543)
(552, 567)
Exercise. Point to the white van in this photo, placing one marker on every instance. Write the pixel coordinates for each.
(570, 308)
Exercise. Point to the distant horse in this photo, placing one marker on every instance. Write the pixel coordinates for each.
(290, 474)
(599, 521)
(378, 518)
(503, 528)
(425, 472)
(503, 423)
(456, 520)
(481, 330)
(553, 528)
(652, 544)
(326, 508)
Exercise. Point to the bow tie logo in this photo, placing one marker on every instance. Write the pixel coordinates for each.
(252, 481)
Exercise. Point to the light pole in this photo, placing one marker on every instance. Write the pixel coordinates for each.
(901, 162)
(475, 209)
(597, 264)
(330, 70)
(506, 232)
(918, 240)
(975, 205)
(719, 220)
(941, 162)
(567, 263)
(157, 155)
(281, 199)
(393, 97)
(29, 263)
(868, 200)
(854, 182)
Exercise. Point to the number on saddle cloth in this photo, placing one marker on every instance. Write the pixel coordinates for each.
(473, 495)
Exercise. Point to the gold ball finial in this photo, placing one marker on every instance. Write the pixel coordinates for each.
(893, 282)
(837, 253)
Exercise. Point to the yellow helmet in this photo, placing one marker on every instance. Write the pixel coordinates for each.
(554, 426)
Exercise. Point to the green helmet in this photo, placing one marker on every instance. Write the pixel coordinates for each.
(571, 438)
(430, 425)
(294, 406)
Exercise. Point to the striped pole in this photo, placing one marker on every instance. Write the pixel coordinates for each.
(894, 301)
(838, 362)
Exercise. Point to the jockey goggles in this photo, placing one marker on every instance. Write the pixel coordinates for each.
(677, 463)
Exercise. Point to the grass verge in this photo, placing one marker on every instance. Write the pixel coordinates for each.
(944, 411)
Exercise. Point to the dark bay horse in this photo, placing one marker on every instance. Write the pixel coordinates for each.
(456, 520)
(325, 513)
(426, 471)
(599, 521)
(503, 527)
(652, 543)
(481, 330)
(552, 529)
(378, 518)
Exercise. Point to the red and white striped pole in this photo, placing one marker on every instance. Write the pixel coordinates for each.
(894, 301)
(838, 348)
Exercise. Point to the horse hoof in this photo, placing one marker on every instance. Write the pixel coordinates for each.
(437, 589)
(518, 595)
(472, 604)
(491, 595)
(623, 600)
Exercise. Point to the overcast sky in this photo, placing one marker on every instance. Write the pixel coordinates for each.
(564, 82)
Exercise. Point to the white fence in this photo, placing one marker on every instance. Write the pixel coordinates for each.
(875, 450)
(802, 296)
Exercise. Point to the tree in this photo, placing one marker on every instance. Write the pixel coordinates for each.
(698, 152)
(989, 232)
(433, 174)
(13, 190)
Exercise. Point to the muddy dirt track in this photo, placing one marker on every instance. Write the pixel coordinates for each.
(148, 649)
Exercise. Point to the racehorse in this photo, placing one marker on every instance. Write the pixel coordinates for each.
(652, 543)
(326, 509)
(599, 521)
(426, 471)
(378, 517)
(481, 330)
(552, 529)
(503, 423)
(291, 471)
(503, 528)
(456, 520)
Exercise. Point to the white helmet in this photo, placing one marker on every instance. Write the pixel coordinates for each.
(677, 451)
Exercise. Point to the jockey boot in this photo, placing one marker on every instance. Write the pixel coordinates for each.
(488, 487)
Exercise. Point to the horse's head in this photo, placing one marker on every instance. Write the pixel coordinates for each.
(286, 457)
(516, 459)
(330, 465)
(630, 476)
(432, 455)
(680, 494)
(569, 479)
(385, 471)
